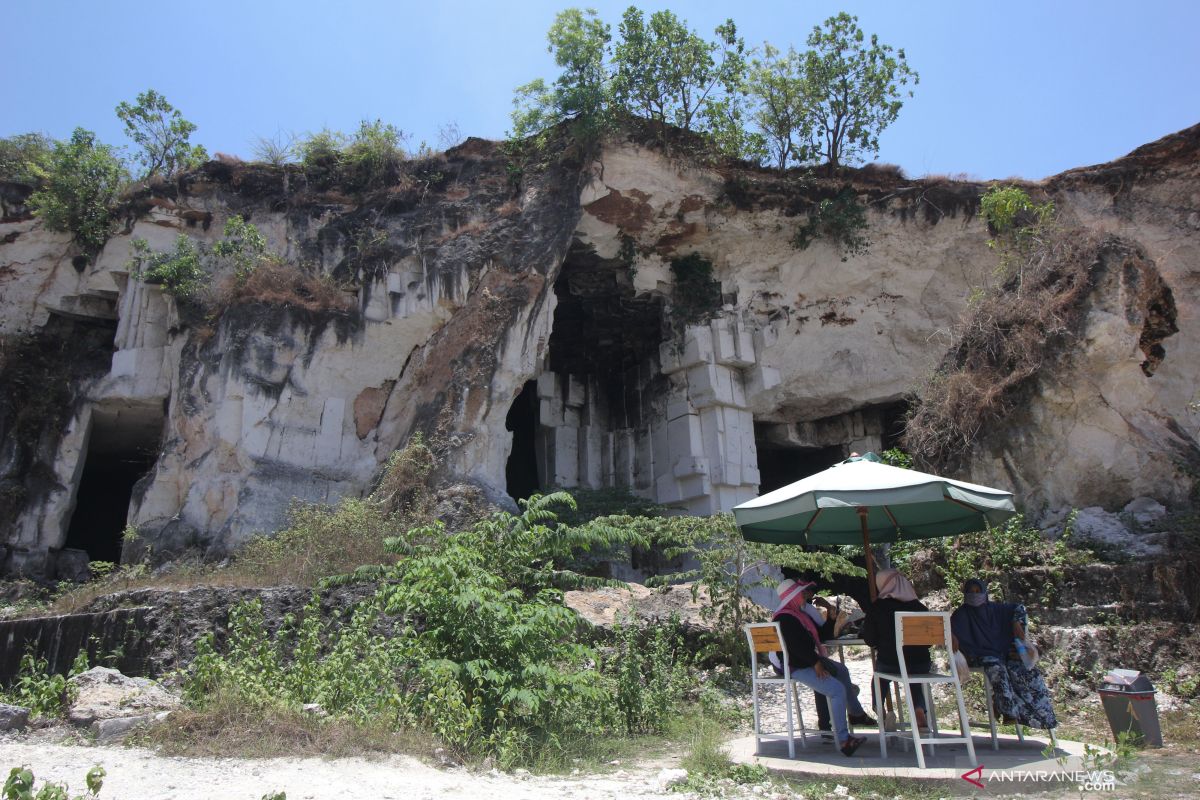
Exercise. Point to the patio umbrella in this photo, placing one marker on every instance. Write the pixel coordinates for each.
(863, 501)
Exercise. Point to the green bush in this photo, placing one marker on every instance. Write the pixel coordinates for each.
(179, 271)
(21, 156)
(80, 180)
(43, 692)
(840, 219)
(19, 786)
(651, 675)
(482, 649)
(242, 248)
(373, 157)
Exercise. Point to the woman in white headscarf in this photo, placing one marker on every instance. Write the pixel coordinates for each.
(895, 593)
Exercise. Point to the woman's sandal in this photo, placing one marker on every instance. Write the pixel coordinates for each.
(852, 744)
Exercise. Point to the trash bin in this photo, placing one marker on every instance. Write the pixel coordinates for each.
(1128, 699)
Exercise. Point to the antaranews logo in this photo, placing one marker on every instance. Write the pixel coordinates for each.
(1093, 780)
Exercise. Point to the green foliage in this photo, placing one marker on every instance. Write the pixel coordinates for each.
(777, 83)
(697, 295)
(481, 648)
(242, 247)
(179, 271)
(36, 688)
(370, 159)
(895, 457)
(840, 219)
(185, 271)
(650, 675)
(995, 555)
(80, 181)
(666, 72)
(161, 134)
(21, 155)
(1182, 682)
(373, 156)
(854, 91)
(729, 567)
(20, 785)
(582, 93)
(1020, 227)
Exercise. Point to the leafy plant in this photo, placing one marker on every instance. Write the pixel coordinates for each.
(179, 271)
(276, 150)
(651, 675)
(372, 157)
(776, 82)
(481, 651)
(161, 134)
(20, 785)
(242, 247)
(665, 72)
(582, 93)
(21, 155)
(853, 90)
(80, 180)
(840, 219)
(43, 692)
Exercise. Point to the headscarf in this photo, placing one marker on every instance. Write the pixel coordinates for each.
(792, 603)
(890, 583)
(984, 630)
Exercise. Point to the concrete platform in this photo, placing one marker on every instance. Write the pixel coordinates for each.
(945, 762)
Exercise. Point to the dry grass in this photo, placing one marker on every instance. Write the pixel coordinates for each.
(231, 727)
(277, 283)
(1008, 337)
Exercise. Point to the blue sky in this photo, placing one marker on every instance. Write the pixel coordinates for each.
(1007, 89)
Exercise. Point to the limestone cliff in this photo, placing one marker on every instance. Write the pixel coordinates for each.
(640, 319)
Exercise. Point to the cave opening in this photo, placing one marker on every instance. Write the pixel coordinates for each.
(521, 472)
(779, 466)
(578, 423)
(122, 448)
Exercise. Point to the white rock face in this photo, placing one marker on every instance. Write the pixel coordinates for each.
(804, 357)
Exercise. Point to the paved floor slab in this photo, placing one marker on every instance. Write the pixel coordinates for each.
(1014, 762)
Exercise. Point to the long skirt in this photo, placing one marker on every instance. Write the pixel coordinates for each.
(1020, 693)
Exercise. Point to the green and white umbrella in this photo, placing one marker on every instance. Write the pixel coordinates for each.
(863, 501)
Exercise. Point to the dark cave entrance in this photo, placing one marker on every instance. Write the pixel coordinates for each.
(122, 448)
(521, 472)
(572, 426)
(779, 466)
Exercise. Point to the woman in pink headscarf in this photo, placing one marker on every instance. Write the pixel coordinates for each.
(895, 593)
(809, 662)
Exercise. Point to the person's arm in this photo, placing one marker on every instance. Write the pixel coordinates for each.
(954, 642)
(869, 633)
(1018, 630)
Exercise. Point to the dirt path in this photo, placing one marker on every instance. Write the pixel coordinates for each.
(138, 774)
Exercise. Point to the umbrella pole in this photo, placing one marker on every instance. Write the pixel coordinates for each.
(862, 517)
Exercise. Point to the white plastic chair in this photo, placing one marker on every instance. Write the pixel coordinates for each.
(766, 637)
(929, 628)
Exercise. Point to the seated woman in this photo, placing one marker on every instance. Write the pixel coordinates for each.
(895, 593)
(809, 661)
(984, 632)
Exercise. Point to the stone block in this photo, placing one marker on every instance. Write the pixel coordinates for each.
(550, 412)
(690, 465)
(711, 385)
(728, 345)
(694, 486)
(395, 283)
(683, 437)
(547, 386)
(576, 392)
(697, 346)
(572, 417)
(668, 357)
(759, 379)
(329, 441)
(565, 445)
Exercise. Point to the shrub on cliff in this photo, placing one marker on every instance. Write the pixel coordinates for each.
(21, 156)
(80, 181)
(370, 159)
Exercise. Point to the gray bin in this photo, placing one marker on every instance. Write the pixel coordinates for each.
(1128, 699)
